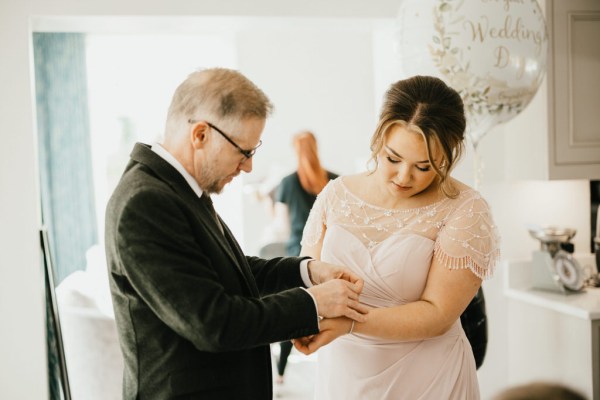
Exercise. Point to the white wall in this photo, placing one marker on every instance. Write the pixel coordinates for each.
(22, 342)
(319, 75)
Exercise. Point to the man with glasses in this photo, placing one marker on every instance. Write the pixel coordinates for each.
(195, 316)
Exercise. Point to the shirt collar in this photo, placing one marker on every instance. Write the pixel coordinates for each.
(168, 157)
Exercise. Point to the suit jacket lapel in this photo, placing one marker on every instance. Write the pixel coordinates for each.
(229, 245)
(215, 231)
(142, 153)
(242, 261)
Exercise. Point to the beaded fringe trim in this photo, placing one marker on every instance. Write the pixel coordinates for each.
(467, 262)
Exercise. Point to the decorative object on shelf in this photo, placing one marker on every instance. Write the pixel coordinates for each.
(492, 52)
(554, 267)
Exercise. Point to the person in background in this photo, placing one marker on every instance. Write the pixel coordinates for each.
(421, 240)
(294, 197)
(195, 316)
(539, 391)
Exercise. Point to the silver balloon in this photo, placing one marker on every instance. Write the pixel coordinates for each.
(493, 52)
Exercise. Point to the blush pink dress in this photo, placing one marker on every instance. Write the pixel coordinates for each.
(392, 251)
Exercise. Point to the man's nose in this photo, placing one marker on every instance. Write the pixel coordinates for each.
(246, 165)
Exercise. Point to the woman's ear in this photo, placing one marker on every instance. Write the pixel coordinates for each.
(199, 134)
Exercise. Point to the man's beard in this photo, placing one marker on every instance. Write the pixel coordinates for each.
(214, 187)
(211, 184)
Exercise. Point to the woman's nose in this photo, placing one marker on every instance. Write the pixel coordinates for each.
(404, 174)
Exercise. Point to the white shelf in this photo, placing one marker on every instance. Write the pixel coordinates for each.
(517, 285)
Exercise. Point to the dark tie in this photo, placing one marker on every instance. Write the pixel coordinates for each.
(205, 198)
(234, 250)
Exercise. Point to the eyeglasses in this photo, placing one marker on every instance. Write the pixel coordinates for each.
(246, 153)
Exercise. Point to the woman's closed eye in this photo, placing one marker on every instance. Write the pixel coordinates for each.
(394, 161)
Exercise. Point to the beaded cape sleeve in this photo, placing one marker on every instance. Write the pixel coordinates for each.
(469, 238)
(462, 229)
(317, 220)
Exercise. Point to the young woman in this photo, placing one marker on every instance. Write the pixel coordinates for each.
(421, 240)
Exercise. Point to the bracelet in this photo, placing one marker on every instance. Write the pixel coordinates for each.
(310, 278)
(351, 327)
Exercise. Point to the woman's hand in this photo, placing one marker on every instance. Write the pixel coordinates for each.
(331, 329)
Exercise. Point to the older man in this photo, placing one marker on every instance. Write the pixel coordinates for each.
(195, 316)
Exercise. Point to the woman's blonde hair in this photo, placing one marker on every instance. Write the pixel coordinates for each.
(426, 105)
(313, 177)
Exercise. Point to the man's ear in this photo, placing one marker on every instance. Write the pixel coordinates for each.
(199, 134)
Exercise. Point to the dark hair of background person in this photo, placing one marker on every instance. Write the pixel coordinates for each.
(540, 391)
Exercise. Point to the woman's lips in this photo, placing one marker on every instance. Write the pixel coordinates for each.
(402, 188)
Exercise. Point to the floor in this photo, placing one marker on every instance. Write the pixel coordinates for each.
(299, 376)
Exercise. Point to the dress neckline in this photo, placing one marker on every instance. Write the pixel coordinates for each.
(396, 210)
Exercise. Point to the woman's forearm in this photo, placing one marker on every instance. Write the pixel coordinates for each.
(413, 321)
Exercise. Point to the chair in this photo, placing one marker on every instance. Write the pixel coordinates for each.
(89, 331)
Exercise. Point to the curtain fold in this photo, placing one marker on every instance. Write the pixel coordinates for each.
(66, 178)
(66, 185)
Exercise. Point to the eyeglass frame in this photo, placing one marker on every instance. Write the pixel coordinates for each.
(246, 153)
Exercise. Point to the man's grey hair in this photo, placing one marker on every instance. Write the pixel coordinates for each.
(217, 93)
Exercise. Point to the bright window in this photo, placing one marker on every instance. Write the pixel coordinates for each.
(131, 79)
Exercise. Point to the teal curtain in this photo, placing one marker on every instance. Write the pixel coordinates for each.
(65, 159)
(67, 190)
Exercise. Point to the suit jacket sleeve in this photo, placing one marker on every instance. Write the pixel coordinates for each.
(168, 262)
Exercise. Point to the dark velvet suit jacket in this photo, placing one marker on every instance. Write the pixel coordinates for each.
(195, 316)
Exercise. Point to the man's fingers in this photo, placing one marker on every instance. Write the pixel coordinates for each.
(352, 296)
(361, 308)
(357, 306)
(349, 276)
(301, 347)
(302, 344)
(359, 284)
(355, 288)
(313, 346)
(352, 314)
(337, 298)
(308, 344)
(321, 340)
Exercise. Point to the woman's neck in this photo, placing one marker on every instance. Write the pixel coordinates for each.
(375, 193)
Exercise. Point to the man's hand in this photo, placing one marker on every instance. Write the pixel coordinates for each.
(338, 297)
(331, 329)
(321, 272)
